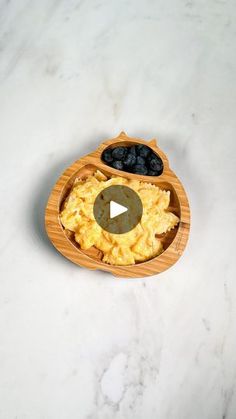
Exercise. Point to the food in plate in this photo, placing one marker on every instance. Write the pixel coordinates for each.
(138, 159)
(137, 245)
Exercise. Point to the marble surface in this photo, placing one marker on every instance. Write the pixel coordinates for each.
(83, 345)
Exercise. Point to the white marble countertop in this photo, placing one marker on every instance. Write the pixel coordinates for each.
(76, 344)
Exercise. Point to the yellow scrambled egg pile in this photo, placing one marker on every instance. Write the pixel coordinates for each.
(137, 245)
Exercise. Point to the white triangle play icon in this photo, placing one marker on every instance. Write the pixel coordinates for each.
(116, 209)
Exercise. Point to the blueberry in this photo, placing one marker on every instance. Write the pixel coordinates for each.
(129, 160)
(106, 155)
(152, 173)
(144, 151)
(140, 160)
(156, 165)
(117, 165)
(140, 169)
(153, 156)
(132, 150)
(138, 147)
(118, 153)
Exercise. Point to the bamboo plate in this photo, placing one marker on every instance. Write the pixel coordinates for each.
(174, 242)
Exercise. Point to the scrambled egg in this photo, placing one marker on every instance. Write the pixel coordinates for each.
(137, 245)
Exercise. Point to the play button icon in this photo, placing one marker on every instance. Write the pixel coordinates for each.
(118, 209)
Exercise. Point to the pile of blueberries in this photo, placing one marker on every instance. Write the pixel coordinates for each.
(138, 159)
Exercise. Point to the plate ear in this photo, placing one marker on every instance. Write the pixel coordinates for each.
(122, 134)
(152, 142)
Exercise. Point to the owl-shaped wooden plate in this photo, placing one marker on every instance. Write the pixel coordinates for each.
(173, 241)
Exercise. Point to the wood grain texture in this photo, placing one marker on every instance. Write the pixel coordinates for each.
(174, 242)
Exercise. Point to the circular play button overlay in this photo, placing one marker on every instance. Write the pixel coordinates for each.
(118, 209)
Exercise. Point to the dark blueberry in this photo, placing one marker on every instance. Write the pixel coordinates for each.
(117, 165)
(106, 155)
(141, 160)
(118, 153)
(132, 150)
(138, 147)
(156, 165)
(140, 169)
(144, 151)
(152, 173)
(129, 160)
(153, 156)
